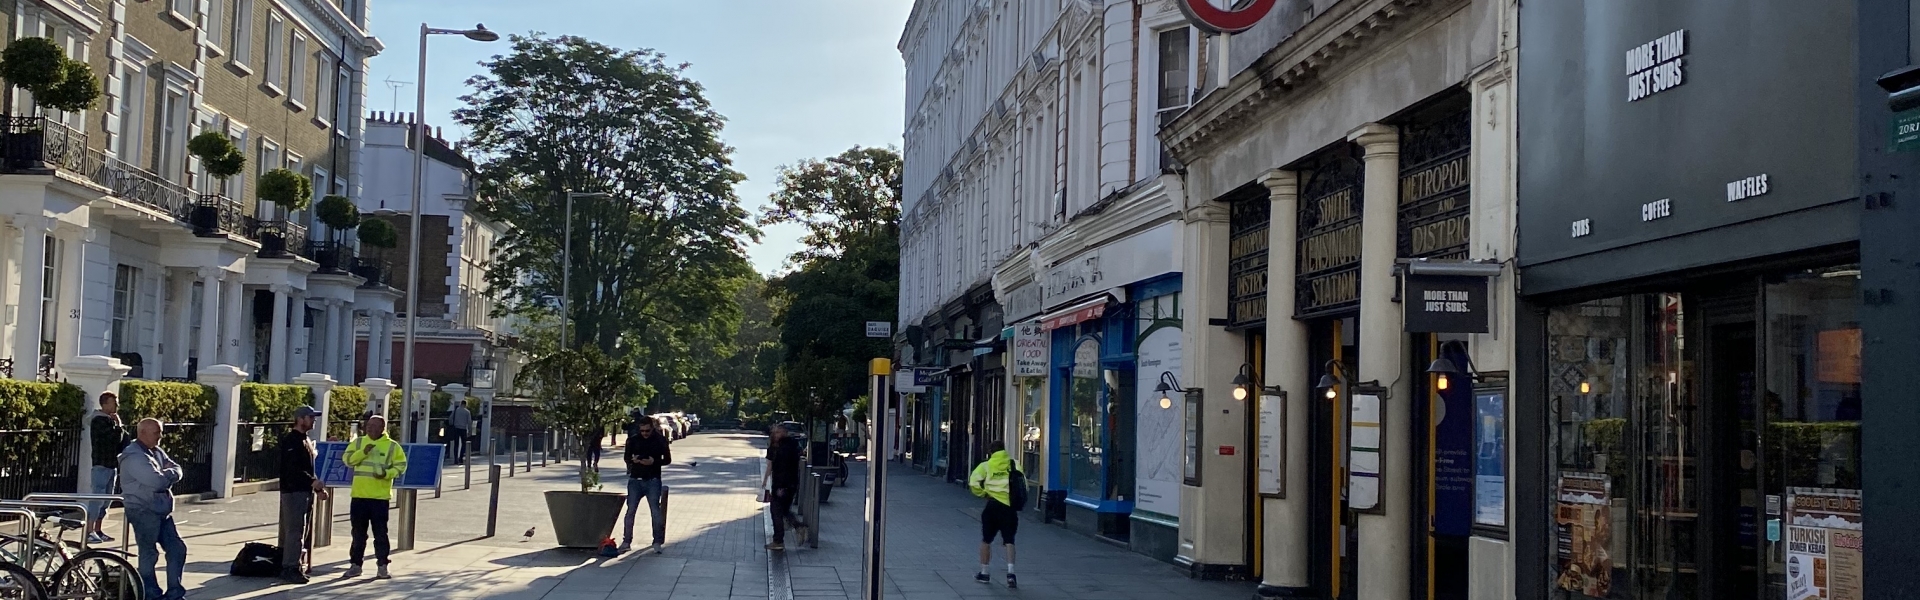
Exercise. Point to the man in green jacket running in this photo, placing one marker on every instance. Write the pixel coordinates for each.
(992, 480)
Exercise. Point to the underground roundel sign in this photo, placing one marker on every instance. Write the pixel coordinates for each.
(1226, 16)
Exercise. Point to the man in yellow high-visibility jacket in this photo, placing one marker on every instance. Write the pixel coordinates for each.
(377, 460)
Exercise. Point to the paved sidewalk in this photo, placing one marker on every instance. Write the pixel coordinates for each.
(933, 544)
(714, 535)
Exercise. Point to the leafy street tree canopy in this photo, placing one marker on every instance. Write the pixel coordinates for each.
(847, 275)
(656, 259)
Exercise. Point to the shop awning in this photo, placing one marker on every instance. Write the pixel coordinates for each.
(1087, 310)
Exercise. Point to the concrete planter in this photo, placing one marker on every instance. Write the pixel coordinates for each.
(584, 519)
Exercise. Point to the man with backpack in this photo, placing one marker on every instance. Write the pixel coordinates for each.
(1003, 485)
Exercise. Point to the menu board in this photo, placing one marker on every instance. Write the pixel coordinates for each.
(1824, 544)
(1584, 520)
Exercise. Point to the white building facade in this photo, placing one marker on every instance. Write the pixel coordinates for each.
(1041, 251)
(118, 244)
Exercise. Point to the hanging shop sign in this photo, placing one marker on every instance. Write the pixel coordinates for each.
(1435, 198)
(1328, 262)
(1445, 304)
(1247, 256)
(1029, 349)
(916, 380)
(1825, 551)
(1225, 16)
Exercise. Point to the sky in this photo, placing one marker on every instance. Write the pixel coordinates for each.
(795, 78)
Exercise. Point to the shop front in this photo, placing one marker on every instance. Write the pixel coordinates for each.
(1114, 326)
(1689, 396)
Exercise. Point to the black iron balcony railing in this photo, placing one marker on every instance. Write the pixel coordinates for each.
(333, 257)
(376, 271)
(36, 143)
(278, 238)
(215, 215)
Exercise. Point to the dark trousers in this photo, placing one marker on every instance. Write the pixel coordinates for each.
(457, 442)
(369, 513)
(294, 508)
(782, 501)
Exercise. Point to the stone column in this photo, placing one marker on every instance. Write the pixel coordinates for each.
(1213, 532)
(322, 386)
(278, 347)
(344, 350)
(93, 374)
(379, 392)
(235, 312)
(70, 298)
(376, 355)
(329, 360)
(210, 295)
(386, 344)
(179, 325)
(1384, 537)
(419, 408)
(225, 380)
(1287, 524)
(300, 337)
(26, 331)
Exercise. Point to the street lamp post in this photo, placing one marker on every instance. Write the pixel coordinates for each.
(479, 33)
(566, 265)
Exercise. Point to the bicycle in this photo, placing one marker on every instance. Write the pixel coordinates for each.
(17, 583)
(88, 574)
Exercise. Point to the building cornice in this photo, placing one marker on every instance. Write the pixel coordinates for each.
(338, 24)
(1292, 68)
(1148, 205)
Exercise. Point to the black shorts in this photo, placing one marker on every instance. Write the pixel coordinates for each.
(998, 519)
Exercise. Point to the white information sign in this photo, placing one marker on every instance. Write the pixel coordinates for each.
(1029, 350)
(879, 329)
(1363, 444)
(1273, 445)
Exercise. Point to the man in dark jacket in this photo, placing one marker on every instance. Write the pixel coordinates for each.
(298, 486)
(109, 437)
(783, 482)
(647, 451)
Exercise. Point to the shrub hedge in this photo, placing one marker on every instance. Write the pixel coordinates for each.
(33, 405)
(167, 401)
(272, 403)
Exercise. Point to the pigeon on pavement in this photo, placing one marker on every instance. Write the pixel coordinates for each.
(528, 534)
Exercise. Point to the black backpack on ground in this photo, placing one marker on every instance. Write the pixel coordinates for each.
(256, 560)
(1017, 489)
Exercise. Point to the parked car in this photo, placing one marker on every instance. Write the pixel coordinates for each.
(694, 420)
(668, 426)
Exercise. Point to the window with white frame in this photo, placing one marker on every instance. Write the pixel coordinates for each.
(171, 159)
(321, 183)
(297, 59)
(341, 103)
(182, 9)
(135, 104)
(323, 92)
(126, 281)
(238, 133)
(216, 25)
(49, 281)
(1175, 79)
(242, 30)
(276, 53)
(268, 160)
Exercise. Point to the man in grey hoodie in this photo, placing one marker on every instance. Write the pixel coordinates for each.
(147, 476)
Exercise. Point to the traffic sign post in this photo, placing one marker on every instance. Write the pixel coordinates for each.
(879, 329)
(873, 578)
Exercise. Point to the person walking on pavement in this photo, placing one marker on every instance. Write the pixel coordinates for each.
(458, 424)
(377, 460)
(593, 449)
(647, 451)
(992, 480)
(109, 437)
(782, 481)
(299, 485)
(147, 478)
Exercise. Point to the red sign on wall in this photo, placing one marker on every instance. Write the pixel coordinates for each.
(1226, 16)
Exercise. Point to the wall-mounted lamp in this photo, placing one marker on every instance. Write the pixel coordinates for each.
(1243, 382)
(1168, 384)
(1336, 376)
(1586, 388)
(1445, 368)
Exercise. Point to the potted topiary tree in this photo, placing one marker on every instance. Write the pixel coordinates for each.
(585, 391)
(38, 65)
(291, 192)
(378, 234)
(221, 157)
(340, 215)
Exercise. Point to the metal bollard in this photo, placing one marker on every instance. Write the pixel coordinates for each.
(493, 501)
(529, 466)
(466, 482)
(511, 455)
(546, 447)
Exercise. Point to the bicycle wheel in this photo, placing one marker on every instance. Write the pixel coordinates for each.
(16, 583)
(46, 554)
(96, 574)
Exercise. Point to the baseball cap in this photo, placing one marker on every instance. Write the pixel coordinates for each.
(305, 411)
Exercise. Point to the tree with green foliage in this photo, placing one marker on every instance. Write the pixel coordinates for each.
(379, 234)
(582, 390)
(848, 274)
(653, 257)
(286, 188)
(40, 66)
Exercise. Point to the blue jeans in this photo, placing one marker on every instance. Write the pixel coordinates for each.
(651, 490)
(151, 531)
(102, 484)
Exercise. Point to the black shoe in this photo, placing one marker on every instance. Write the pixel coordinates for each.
(1012, 584)
(982, 578)
(295, 578)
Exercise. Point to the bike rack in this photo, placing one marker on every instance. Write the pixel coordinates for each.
(50, 504)
(32, 521)
(126, 525)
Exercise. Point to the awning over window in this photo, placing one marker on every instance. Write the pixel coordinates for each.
(1088, 310)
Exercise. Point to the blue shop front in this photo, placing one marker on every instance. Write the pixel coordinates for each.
(1113, 445)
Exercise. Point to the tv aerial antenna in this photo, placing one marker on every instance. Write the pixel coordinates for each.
(394, 86)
